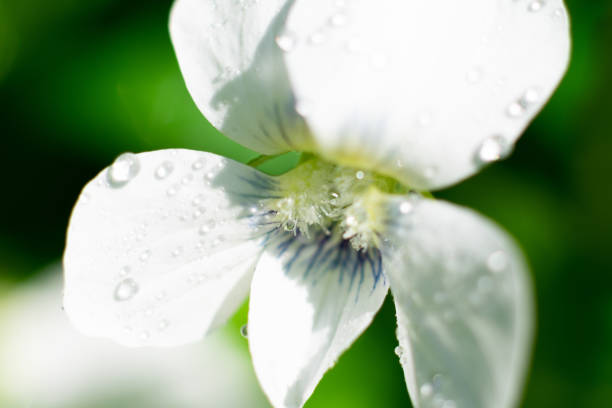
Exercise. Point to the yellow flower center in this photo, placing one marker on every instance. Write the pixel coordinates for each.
(320, 196)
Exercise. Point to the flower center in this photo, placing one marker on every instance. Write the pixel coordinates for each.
(318, 195)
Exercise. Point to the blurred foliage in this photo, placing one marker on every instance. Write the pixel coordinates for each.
(82, 81)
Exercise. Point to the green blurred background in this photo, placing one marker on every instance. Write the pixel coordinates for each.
(82, 81)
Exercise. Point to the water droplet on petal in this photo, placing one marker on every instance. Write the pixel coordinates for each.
(145, 255)
(426, 390)
(198, 164)
(430, 172)
(317, 38)
(492, 149)
(172, 191)
(515, 110)
(303, 107)
(163, 325)
(124, 169)
(536, 5)
(338, 20)
(406, 207)
(164, 170)
(125, 290)
(244, 331)
(207, 227)
(475, 75)
(497, 261)
(125, 271)
(286, 42)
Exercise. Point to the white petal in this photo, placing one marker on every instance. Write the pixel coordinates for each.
(235, 72)
(161, 246)
(307, 306)
(45, 363)
(464, 307)
(415, 88)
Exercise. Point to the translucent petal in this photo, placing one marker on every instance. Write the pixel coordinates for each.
(464, 306)
(234, 70)
(425, 91)
(309, 301)
(161, 246)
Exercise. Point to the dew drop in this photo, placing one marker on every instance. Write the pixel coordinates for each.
(164, 170)
(85, 198)
(426, 390)
(475, 75)
(123, 169)
(125, 290)
(244, 331)
(145, 335)
(177, 252)
(286, 42)
(515, 110)
(379, 61)
(303, 107)
(492, 149)
(207, 227)
(449, 404)
(210, 176)
(187, 179)
(198, 164)
(536, 5)
(497, 261)
(354, 45)
(163, 325)
(360, 175)
(317, 38)
(430, 172)
(145, 255)
(530, 97)
(172, 191)
(338, 20)
(124, 271)
(406, 207)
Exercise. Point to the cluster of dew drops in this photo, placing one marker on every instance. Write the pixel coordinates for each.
(124, 169)
(492, 148)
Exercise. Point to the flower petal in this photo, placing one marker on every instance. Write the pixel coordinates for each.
(309, 301)
(235, 71)
(464, 306)
(424, 91)
(161, 246)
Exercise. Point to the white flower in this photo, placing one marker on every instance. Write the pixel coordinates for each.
(164, 246)
(44, 363)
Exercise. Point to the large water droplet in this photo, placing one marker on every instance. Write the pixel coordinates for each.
(125, 290)
(164, 170)
(492, 149)
(286, 42)
(124, 169)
